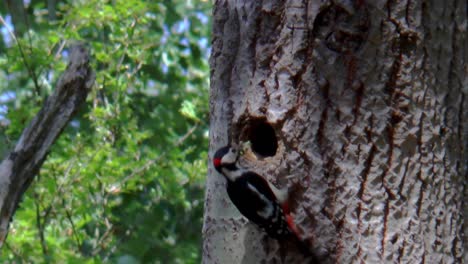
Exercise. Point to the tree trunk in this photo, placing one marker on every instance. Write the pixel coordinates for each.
(358, 107)
(18, 16)
(21, 165)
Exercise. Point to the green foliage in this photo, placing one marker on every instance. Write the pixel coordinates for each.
(124, 182)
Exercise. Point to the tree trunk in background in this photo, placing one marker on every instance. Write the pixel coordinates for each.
(18, 16)
(52, 9)
(18, 169)
(361, 110)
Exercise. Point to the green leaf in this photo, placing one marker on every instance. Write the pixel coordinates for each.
(188, 110)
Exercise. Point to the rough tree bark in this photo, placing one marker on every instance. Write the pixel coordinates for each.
(361, 110)
(21, 165)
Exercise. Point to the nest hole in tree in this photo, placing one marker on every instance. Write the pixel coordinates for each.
(262, 138)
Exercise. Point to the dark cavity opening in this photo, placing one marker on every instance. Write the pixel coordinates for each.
(262, 138)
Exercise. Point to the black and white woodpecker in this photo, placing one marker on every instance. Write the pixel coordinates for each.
(257, 199)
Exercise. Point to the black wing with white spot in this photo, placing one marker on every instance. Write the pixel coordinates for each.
(253, 197)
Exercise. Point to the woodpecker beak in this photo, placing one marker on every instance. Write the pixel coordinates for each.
(217, 162)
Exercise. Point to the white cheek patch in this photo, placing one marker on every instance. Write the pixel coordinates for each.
(229, 158)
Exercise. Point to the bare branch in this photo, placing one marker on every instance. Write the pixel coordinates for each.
(20, 166)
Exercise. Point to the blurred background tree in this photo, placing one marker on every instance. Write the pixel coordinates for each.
(124, 182)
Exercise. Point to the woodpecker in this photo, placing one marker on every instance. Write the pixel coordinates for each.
(257, 199)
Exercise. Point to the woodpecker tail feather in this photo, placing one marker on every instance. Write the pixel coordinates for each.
(301, 244)
(304, 248)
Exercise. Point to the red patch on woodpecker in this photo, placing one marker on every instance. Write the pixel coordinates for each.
(285, 207)
(292, 225)
(216, 162)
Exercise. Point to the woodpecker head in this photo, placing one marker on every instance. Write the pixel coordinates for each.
(225, 157)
